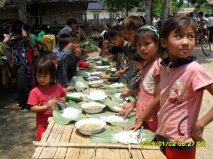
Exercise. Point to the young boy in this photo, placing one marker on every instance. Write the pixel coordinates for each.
(68, 56)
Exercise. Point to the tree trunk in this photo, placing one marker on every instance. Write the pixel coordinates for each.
(165, 9)
(148, 13)
(22, 10)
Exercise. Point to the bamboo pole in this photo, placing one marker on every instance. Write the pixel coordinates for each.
(93, 145)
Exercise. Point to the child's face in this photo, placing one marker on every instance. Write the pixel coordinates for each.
(147, 48)
(130, 35)
(179, 44)
(43, 79)
(118, 40)
(17, 36)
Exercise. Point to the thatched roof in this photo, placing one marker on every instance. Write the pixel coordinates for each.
(186, 10)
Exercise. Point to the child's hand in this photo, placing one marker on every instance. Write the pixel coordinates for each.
(69, 88)
(197, 132)
(120, 73)
(128, 108)
(70, 46)
(77, 52)
(51, 103)
(136, 125)
(125, 94)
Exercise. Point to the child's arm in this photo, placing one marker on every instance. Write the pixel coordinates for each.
(197, 133)
(151, 109)
(128, 108)
(48, 106)
(129, 93)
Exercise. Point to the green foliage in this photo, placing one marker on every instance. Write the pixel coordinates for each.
(89, 45)
(198, 2)
(119, 5)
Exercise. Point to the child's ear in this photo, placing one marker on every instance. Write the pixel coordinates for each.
(163, 43)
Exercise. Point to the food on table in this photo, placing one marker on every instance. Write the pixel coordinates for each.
(127, 137)
(114, 118)
(90, 126)
(93, 107)
(70, 113)
(97, 95)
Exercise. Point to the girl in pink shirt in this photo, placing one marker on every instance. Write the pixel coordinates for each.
(148, 97)
(183, 82)
(44, 96)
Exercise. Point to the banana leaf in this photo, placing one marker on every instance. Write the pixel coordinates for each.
(58, 118)
(113, 106)
(79, 83)
(104, 137)
(75, 96)
(108, 136)
(106, 117)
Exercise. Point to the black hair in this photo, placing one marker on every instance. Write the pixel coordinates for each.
(177, 24)
(132, 22)
(116, 30)
(132, 54)
(64, 39)
(71, 21)
(147, 30)
(17, 27)
(46, 66)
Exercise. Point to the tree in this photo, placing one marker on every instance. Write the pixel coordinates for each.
(166, 4)
(148, 11)
(120, 5)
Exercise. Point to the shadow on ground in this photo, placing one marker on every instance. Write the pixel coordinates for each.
(17, 129)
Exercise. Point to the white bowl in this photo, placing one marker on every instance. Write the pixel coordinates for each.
(99, 63)
(90, 126)
(93, 107)
(96, 74)
(96, 83)
(97, 95)
(101, 68)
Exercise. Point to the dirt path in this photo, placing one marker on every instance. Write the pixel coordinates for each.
(17, 130)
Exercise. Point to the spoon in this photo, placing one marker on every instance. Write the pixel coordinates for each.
(139, 134)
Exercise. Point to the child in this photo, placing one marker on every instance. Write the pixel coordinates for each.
(22, 62)
(183, 82)
(131, 24)
(66, 58)
(43, 97)
(148, 98)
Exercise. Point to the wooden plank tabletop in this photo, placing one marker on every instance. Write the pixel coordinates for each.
(56, 133)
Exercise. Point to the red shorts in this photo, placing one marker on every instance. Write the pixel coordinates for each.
(152, 125)
(39, 131)
(180, 154)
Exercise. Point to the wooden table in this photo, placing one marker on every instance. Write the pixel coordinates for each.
(65, 142)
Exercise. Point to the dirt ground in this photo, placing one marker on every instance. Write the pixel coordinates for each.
(17, 129)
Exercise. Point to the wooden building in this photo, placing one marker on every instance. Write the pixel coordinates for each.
(49, 12)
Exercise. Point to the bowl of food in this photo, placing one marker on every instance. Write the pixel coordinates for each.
(96, 83)
(93, 107)
(97, 95)
(101, 68)
(96, 74)
(90, 126)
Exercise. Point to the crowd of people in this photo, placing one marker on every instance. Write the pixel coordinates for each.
(158, 66)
